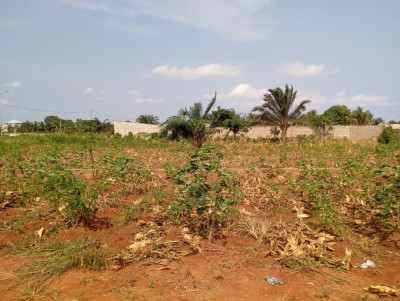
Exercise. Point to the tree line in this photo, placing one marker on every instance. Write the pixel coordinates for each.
(278, 110)
(195, 123)
(55, 124)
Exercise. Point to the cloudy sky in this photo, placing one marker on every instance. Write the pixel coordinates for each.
(117, 59)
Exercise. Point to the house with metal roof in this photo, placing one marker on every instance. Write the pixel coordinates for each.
(14, 124)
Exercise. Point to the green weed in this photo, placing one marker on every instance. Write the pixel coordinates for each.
(206, 195)
(387, 198)
(131, 212)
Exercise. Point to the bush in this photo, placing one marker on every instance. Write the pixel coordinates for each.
(206, 195)
(387, 198)
(388, 135)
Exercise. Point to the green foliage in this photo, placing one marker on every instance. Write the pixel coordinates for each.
(321, 190)
(62, 188)
(47, 178)
(218, 117)
(387, 197)
(235, 125)
(362, 117)
(131, 212)
(276, 109)
(206, 195)
(148, 119)
(31, 127)
(388, 135)
(308, 118)
(52, 123)
(336, 115)
(124, 169)
(93, 126)
(228, 119)
(190, 124)
(275, 134)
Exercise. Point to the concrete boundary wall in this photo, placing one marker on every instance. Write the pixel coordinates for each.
(352, 132)
(124, 128)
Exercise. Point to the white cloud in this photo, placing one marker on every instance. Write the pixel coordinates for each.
(320, 101)
(241, 97)
(87, 90)
(145, 100)
(204, 71)
(299, 69)
(4, 101)
(14, 84)
(142, 100)
(316, 98)
(88, 5)
(362, 100)
(247, 91)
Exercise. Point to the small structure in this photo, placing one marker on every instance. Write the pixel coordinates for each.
(13, 125)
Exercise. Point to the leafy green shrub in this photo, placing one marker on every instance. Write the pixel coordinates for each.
(62, 188)
(388, 134)
(387, 198)
(206, 195)
(125, 169)
(322, 191)
(48, 179)
(131, 212)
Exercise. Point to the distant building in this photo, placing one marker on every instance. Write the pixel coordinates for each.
(14, 124)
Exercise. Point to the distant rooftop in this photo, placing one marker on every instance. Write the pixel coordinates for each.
(14, 121)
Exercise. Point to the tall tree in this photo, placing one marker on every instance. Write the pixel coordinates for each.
(308, 118)
(190, 123)
(378, 120)
(276, 109)
(52, 123)
(337, 115)
(148, 119)
(362, 117)
(228, 119)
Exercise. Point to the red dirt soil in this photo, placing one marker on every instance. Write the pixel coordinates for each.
(230, 268)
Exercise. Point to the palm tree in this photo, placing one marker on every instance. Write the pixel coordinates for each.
(362, 117)
(148, 119)
(276, 108)
(190, 123)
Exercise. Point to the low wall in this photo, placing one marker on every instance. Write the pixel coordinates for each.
(124, 128)
(335, 132)
(260, 131)
(352, 132)
(365, 132)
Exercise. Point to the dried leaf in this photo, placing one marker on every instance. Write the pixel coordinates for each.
(383, 290)
(303, 215)
(346, 259)
(40, 232)
(137, 246)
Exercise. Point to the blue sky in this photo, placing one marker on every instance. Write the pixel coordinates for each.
(118, 59)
